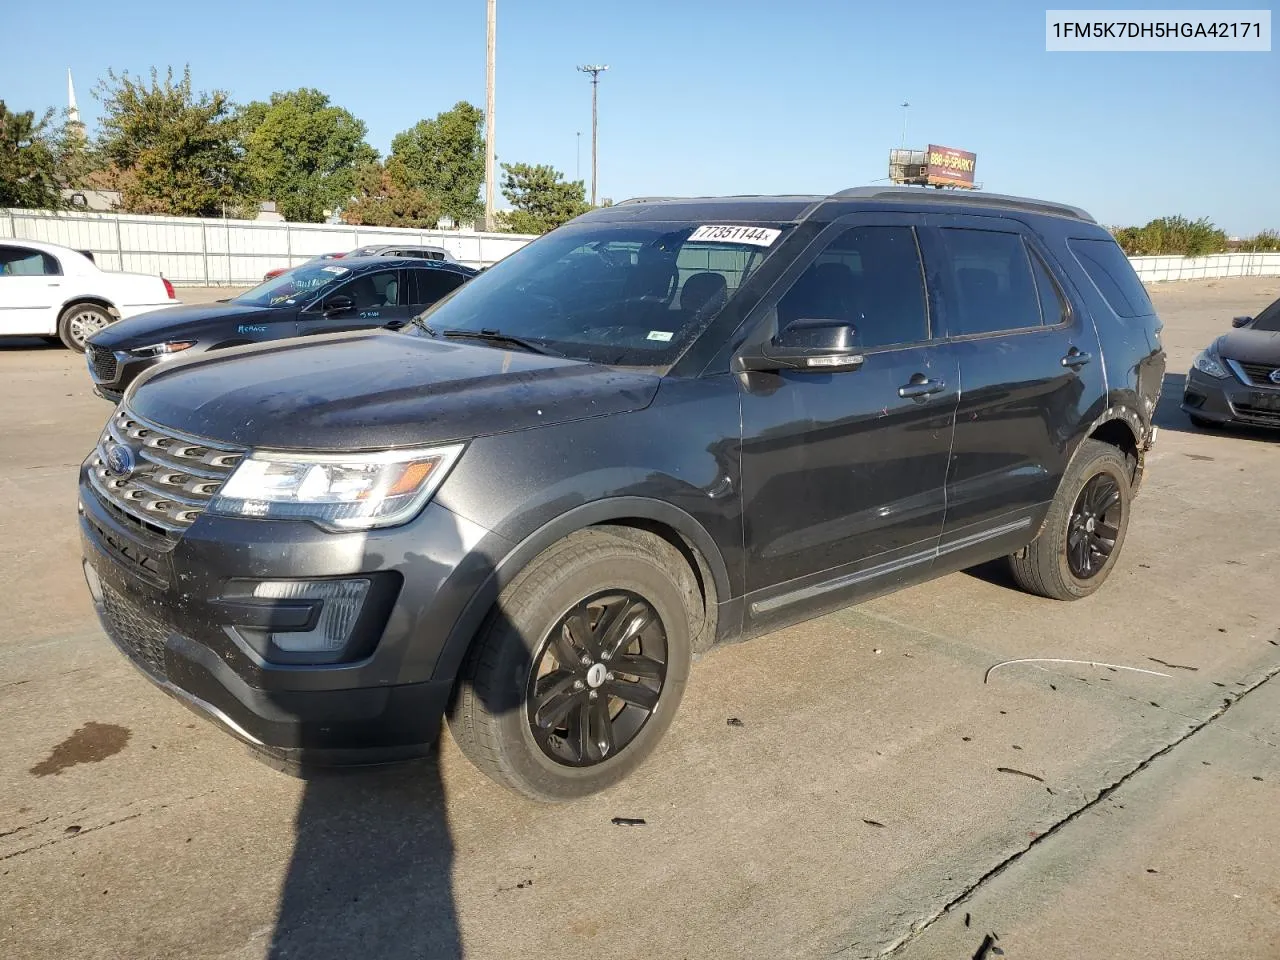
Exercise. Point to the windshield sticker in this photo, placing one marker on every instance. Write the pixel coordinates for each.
(663, 335)
(337, 270)
(756, 236)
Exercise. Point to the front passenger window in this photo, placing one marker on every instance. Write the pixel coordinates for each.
(371, 291)
(870, 277)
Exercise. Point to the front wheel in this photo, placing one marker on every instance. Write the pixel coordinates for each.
(79, 322)
(579, 669)
(1084, 530)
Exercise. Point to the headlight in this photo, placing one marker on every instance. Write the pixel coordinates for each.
(163, 349)
(341, 491)
(1207, 362)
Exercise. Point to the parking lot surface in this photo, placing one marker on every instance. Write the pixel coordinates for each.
(879, 793)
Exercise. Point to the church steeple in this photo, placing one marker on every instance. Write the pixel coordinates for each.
(73, 111)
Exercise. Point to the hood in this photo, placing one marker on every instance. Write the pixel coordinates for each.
(169, 323)
(374, 390)
(1250, 346)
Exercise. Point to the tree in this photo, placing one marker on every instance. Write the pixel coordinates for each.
(29, 160)
(172, 151)
(381, 199)
(541, 198)
(302, 152)
(444, 158)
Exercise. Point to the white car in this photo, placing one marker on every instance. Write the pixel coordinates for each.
(52, 291)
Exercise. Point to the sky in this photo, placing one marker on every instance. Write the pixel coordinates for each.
(727, 96)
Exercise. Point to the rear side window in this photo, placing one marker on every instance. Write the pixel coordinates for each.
(24, 262)
(992, 274)
(1113, 275)
(432, 285)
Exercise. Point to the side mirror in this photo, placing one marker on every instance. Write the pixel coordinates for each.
(818, 346)
(336, 306)
(1241, 321)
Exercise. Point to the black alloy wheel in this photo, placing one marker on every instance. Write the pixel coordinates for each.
(1094, 526)
(596, 678)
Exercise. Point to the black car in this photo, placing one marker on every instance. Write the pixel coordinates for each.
(1236, 379)
(322, 296)
(664, 425)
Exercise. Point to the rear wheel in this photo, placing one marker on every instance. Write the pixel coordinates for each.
(1084, 529)
(579, 669)
(79, 322)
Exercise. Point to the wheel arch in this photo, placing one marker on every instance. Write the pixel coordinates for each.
(89, 298)
(640, 514)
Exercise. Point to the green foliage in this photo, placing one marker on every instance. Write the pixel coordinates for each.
(29, 160)
(302, 152)
(1265, 242)
(382, 199)
(541, 198)
(444, 158)
(174, 152)
(1172, 236)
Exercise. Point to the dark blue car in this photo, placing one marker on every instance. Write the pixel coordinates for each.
(319, 297)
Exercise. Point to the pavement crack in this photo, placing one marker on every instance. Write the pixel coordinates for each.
(25, 826)
(921, 925)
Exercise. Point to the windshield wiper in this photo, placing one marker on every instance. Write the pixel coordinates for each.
(496, 336)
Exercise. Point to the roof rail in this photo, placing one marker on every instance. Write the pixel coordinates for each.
(971, 198)
(644, 200)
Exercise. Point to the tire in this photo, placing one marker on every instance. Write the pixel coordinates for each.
(79, 322)
(1051, 565)
(511, 691)
(1204, 424)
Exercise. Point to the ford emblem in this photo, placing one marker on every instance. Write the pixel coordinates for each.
(1275, 376)
(120, 460)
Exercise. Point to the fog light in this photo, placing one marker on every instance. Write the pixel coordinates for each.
(341, 604)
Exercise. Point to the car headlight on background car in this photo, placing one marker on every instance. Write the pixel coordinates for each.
(341, 491)
(163, 349)
(1207, 362)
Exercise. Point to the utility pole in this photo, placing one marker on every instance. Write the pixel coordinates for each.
(905, 105)
(490, 46)
(595, 70)
(577, 168)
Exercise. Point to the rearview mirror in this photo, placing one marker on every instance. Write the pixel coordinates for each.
(1241, 321)
(338, 305)
(815, 345)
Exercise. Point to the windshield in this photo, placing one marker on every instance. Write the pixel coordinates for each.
(629, 294)
(293, 286)
(1268, 319)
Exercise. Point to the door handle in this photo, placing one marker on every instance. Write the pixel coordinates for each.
(1076, 359)
(919, 389)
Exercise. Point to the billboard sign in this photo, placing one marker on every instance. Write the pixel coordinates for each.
(947, 166)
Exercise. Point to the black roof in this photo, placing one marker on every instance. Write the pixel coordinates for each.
(763, 209)
(363, 264)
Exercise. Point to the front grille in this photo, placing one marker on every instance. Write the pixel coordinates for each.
(1259, 374)
(141, 636)
(1263, 415)
(173, 479)
(102, 364)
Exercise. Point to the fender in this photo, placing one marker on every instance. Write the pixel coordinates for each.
(589, 514)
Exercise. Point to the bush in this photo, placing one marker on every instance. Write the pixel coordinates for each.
(1176, 236)
(1266, 241)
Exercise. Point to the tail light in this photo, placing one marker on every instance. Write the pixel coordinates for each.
(168, 288)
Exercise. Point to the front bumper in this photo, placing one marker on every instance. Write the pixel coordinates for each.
(1230, 401)
(113, 370)
(162, 602)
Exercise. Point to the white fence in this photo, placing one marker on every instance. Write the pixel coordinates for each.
(1154, 269)
(207, 252)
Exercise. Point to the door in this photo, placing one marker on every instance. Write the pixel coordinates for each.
(1030, 370)
(843, 474)
(30, 291)
(373, 299)
(426, 286)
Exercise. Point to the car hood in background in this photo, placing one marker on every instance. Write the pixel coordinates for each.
(1251, 346)
(374, 390)
(170, 322)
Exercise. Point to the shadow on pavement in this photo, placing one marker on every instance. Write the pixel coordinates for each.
(371, 874)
